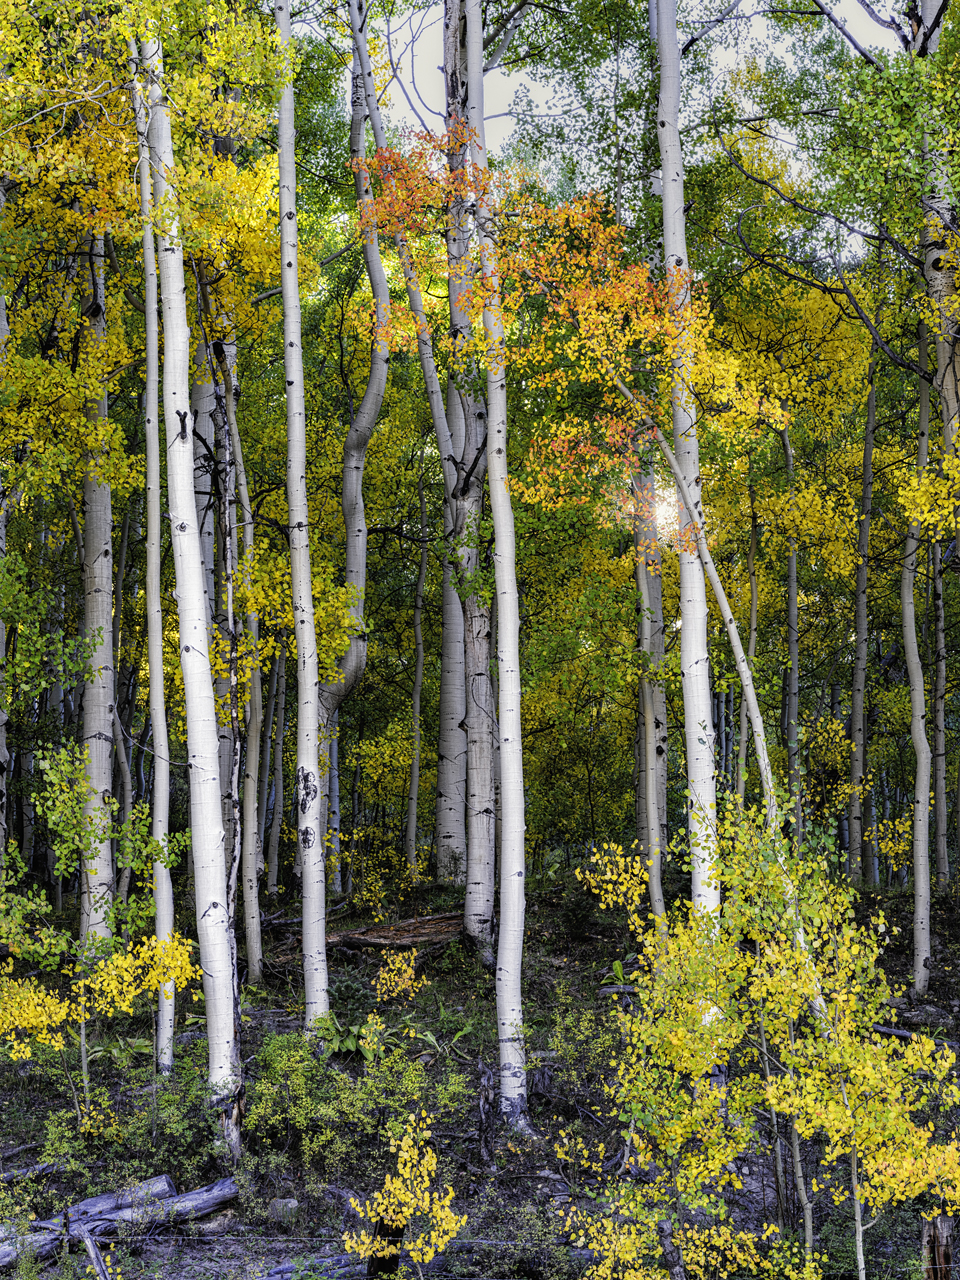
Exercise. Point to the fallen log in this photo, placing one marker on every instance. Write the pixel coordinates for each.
(415, 932)
(148, 1204)
(32, 1170)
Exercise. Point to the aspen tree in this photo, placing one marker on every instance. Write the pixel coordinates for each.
(694, 658)
(97, 873)
(462, 440)
(918, 712)
(513, 1079)
(249, 863)
(311, 824)
(463, 475)
(217, 945)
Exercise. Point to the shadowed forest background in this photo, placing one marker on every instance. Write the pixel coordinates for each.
(479, 732)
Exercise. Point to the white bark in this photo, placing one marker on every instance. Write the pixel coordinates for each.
(452, 738)
(751, 648)
(513, 1079)
(310, 822)
(463, 441)
(650, 627)
(98, 696)
(918, 713)
(694, 658)
(217, 946)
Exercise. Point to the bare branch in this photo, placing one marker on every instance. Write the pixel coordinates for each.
(842, 28)
(708, 27)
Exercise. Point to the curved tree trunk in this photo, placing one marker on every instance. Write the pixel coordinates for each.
(217, 945)
(918, 712)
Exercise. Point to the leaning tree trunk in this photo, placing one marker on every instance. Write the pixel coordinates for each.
(856, 864)
(751, 648)
(793, 656)
(694, 657)
(96, 871)
(513, 1076)
(217, 945)
(918, 712)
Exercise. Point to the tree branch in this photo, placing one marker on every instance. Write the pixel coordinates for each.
(708, 27)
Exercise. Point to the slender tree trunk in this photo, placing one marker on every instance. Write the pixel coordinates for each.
(940, 813)
(650, 620)
(410, 843)
(462, 441)
(694, 658)
(97, 875)
(793, 656)
(311, 822)
(4, 717)
(513, 1078)
(918, 712)
(203, 408)
(217, 946)
(858, 762)
(751, 646)
(452, 739)
(273, 852)
(250, 847)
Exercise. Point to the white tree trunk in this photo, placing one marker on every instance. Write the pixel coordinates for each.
(513, 1076)
(650, 628)
(694, 657)
(463, 443)
(217, 946)
(160, 815)
(310, 820)
(452, 737)
(918, 713)
(97, 876)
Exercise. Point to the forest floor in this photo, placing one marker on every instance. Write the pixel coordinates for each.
(320, 1136)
